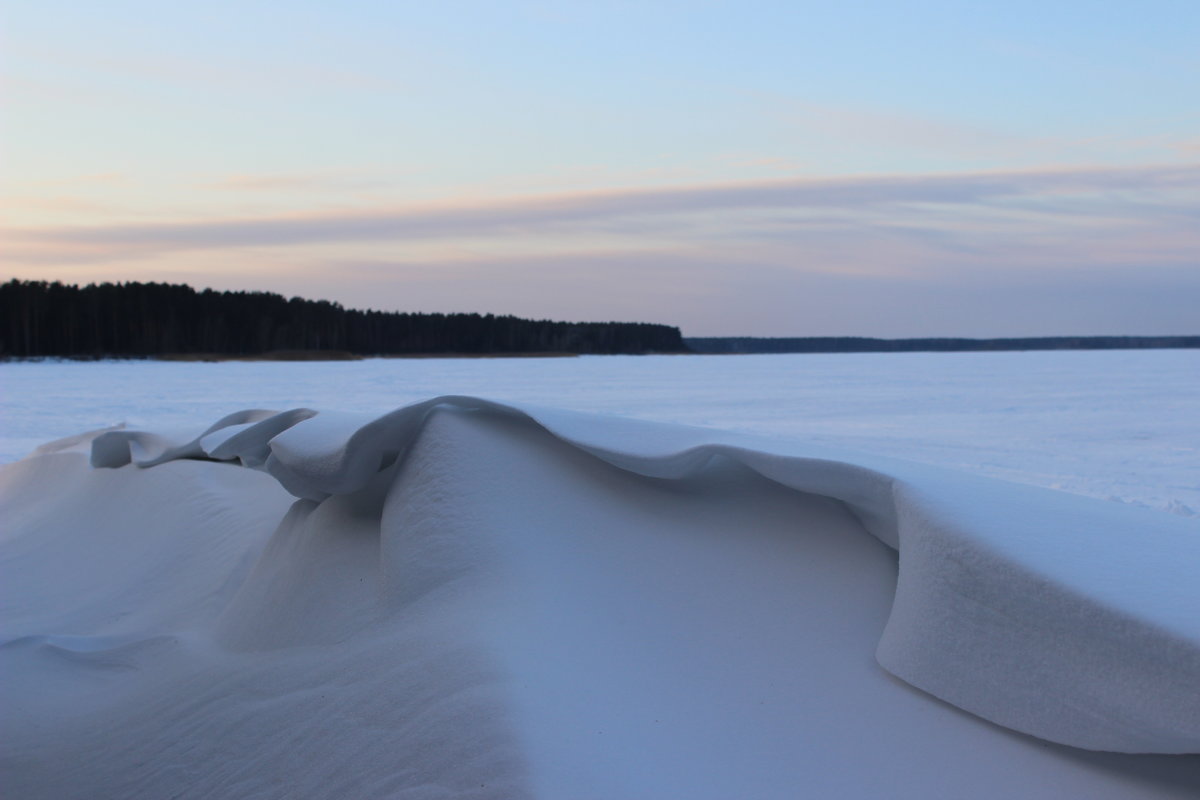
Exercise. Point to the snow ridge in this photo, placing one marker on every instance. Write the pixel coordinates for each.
(1066, 618)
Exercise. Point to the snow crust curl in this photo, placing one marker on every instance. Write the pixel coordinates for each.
(476, 553)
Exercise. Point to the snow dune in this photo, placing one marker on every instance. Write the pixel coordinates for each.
(464, 598)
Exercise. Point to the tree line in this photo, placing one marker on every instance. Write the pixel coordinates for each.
(728, 345)
(152, 319)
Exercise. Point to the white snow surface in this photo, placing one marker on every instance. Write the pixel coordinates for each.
(1116, 424)
(493, 598)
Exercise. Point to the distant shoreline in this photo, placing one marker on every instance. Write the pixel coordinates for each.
(288, 355)
(341, 355)
(702, 346)
(707, 346)
(754, 345)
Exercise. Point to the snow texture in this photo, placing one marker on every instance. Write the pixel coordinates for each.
(468, 598)
(1119, 425)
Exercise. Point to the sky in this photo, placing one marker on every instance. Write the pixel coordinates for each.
(755, 168)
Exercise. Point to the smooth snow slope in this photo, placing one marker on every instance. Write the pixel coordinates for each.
(475, 599)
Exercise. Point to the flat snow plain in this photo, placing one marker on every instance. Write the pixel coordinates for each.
(464, 598)
(1118, 424)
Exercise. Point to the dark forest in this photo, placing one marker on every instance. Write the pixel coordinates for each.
(160, 319)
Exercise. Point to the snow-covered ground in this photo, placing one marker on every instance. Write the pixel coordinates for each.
(1121, 424)
(464, 598)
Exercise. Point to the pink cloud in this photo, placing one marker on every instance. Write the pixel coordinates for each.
(940, 200)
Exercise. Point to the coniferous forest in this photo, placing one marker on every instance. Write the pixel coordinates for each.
(156, 319)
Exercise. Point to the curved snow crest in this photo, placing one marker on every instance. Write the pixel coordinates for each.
(1067, 618)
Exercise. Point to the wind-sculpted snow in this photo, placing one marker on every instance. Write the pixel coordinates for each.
(477, 599)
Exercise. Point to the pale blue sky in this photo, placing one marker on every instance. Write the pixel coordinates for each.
(790, 168)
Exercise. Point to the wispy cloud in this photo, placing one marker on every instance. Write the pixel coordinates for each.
(953, 202)
(897, 130)
(910, 135)
(56, 203)
(75, 181)
(311, 182)
(1189, 147)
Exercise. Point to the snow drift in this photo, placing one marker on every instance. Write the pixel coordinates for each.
(468, 599)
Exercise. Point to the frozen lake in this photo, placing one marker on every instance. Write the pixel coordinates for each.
(1123, 425)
